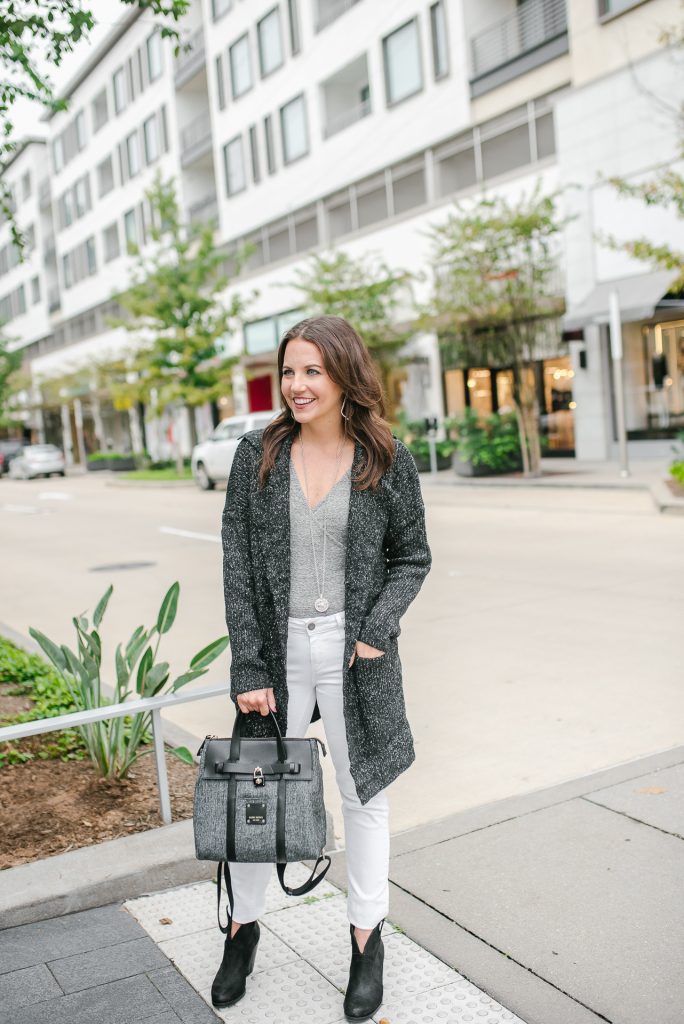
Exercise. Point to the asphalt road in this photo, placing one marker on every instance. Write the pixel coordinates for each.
(546, 642)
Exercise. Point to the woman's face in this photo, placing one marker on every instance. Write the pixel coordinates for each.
(305, 377)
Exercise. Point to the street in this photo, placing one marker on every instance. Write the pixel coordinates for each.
(545, 643)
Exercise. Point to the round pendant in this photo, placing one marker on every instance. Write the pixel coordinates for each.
(321, 604)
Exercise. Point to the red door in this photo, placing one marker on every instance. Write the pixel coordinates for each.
(259, 393)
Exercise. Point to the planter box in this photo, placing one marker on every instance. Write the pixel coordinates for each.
(464, 468)
(423, 462)
(117, 465)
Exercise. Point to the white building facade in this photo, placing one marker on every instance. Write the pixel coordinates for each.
(303, 125)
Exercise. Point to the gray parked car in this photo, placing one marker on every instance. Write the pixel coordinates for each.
(211, 459)
(37, 460)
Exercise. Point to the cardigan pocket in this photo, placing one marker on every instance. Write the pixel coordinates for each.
(381, 701)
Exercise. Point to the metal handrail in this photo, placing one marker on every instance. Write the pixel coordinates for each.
(533, 23)
(130, 707)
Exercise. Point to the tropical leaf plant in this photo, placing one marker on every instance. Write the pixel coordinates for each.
(115, 744)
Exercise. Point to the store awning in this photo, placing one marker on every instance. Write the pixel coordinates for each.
(638, 296)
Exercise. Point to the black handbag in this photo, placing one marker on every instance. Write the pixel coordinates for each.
(259, 799)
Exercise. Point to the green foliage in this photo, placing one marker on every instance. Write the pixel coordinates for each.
(677, 471)
(414, 434)
(365, 291)
(497, 296)
(115, 744)
(108, 456)
(52, 28)
(28, 675)
(175, 307)
(493, 441)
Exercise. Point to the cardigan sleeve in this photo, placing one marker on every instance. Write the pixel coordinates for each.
(248, 671)
(408, 554)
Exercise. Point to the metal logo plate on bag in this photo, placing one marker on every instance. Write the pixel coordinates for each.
(256, 813)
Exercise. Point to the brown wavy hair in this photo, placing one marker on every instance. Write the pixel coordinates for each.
(348, 363)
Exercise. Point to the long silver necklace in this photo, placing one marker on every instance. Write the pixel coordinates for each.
(321, 603)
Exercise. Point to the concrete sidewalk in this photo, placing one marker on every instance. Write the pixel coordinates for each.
(562, 906)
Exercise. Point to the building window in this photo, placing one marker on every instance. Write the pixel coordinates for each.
(91, 259)
(220, 85)
(100, 111)
(505, 142)
(254, 154)
(80, 131)
(270, 144)
(130, 228)
(132, 154)
(234, 165)
(240, 67)
(164, 128)
(82, 196)
(66, 270)
(403, 73)
(220, 7)
(26, 185)
(270, 42)
(293, 21)
(293, 129)
(608, 7)
(151, 137)
(408, 185)
(438, 31)
(154, 56)
(111, 242)
(58, 154)
(119, 88)
(104, 176)
(35, 290)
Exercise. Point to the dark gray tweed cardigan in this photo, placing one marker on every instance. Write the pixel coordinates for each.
(388, 558)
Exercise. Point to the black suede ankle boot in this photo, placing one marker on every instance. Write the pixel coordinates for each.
(364, 991)
(239, 954)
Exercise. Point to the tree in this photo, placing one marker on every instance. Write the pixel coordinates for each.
(59, 25)
(367, 293)
(495, 297)
(12, 381)
(176, 311)
(665, 190)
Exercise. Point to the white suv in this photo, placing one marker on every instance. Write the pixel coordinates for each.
(211, 459)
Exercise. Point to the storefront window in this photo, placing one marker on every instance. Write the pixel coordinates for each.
(667, 376)
(558, 421)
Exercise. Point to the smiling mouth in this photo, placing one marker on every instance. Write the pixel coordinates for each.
(303, 402)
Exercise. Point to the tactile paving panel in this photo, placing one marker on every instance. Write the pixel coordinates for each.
(192, 908)
(291, 994)
(198, 956)
(458, 1003)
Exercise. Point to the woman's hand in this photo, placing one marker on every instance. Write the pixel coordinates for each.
(365, 651)
(257, 700)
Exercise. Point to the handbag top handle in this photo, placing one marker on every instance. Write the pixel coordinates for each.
(236, 737)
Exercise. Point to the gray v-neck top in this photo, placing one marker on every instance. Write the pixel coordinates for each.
(303, 588)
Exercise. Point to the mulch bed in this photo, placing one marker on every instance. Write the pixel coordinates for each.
(51, 806)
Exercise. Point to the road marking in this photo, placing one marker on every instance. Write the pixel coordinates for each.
(55, 496)
(211, 537)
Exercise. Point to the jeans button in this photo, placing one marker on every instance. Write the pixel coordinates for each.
(311, 625)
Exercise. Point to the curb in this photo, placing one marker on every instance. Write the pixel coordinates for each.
(114, 482)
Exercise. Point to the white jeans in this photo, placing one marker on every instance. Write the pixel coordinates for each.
(315, 653)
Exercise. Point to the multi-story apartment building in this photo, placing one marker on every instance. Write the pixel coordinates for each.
(302, 125)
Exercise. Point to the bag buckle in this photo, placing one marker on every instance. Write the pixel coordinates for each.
(258, 776)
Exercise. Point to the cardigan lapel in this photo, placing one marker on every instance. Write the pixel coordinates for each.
(274, 521)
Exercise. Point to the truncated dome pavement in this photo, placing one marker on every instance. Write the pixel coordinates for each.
(302, 961)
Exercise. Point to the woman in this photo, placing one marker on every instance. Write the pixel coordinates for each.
(324, 549)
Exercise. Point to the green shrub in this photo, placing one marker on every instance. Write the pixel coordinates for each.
(28, 675)
(109, 456)
(492, 441)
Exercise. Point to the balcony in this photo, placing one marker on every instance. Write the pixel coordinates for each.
(346, 97)
(54, 300)
(44, 194)
(328, 11)
(204, 210)
(534, 33)
(196, 140)
(189, 63)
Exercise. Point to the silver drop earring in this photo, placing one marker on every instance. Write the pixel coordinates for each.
(342, 408)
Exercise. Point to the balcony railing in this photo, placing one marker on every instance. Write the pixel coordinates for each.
(345, 118)
(188, 62)
(534, 23)
(328, 11)
(196, 138)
